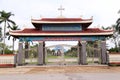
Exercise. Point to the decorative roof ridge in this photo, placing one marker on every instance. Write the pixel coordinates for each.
(16, 30)
(99, 29)
(20, 29)
(61, 19)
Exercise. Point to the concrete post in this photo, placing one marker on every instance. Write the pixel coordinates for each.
(79, 52)
(20, 55)
(82, 57)
(83, 53)
(103, 53)
(41, 53)
(27, 49)
(15, 60)
(62, 56)
(44, 54)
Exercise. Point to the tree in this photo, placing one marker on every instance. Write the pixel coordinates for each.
(7, 49)
(117, 28)
(5, 19)
(71, 52)
(116, 34)
(14, 27)
(0, 34)
(115, 38)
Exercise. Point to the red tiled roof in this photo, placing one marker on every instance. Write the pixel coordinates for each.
(60, 20)
(37, 32)
(39, 22)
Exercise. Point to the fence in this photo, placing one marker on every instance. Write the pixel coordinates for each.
(114, 59)
(7, 60)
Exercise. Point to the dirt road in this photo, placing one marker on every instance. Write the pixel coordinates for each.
(59, 69)
(60, 73)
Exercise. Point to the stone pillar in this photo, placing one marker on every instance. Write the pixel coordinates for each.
(44, 53)
(41, 53)
(15, 60)
(82, 53)
(79, 51)
(62, 56)
(104, 55)
(20, 55)
(27, 49)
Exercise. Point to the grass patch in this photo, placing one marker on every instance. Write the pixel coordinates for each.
(66, 57)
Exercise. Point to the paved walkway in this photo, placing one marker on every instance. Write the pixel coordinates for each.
(63, 76)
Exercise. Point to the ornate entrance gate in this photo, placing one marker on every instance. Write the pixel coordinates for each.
(62, 29)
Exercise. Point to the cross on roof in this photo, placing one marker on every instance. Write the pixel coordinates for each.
(61, 9)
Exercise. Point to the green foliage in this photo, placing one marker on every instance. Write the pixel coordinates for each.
(71, 52)
(52, 56)
(115, 38)
(7, 49)
(117, 27)
(33, 53)
(5, 17)
(7, 22)
(0, 34)
(114, 49)
(50, 52)
(116, 34)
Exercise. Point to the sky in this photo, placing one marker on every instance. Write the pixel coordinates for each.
(104, 12)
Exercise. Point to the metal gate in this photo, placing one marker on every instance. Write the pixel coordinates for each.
(58, 56)
(93, 53)
(30, 54)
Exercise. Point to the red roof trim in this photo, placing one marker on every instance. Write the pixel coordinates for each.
(7, 65)
(7, 54)
(33, 30)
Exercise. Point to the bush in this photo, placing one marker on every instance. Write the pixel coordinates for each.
(8, 51)
(113, 50)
